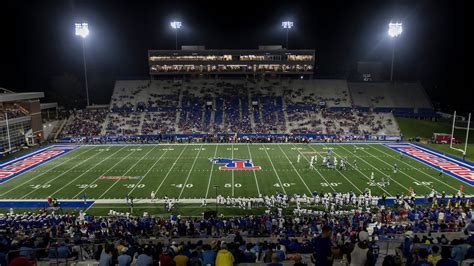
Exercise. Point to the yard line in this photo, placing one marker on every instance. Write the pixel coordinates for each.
(416, 180)
(80, 192)
(129, 169)
(417, 169)
(364, 175)
(169, 171)
(274, 170)
(296, 170)
(149, 170)
(63, 173)
(314, 167)
(348, 180)
(254, 173)
(233, 188)
(45, 172)
(210, 174)
(394, 180)
(190, 171)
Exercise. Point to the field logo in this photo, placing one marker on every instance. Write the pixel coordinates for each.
(448, 165)
(235, 164)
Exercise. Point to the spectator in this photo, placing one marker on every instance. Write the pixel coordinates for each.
(459, 250)
(298, 260)
(181, 259)
(145, 258)
(195, 260)
(165, 257)
(435, 255)
(63, 251)
(359, 254)
(124, 259)
(224, 256)
(422, 258)
(208, 255)
(275, 260)
(446, 258)
(322, 255)
(106, 256)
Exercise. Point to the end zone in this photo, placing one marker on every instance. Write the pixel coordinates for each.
(450, 166)
(16, 166)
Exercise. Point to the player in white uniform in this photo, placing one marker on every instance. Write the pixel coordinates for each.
(335, 162)
(298, 158)
(372, 176)
(152, 196)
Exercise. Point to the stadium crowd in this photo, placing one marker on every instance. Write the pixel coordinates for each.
(340, 234)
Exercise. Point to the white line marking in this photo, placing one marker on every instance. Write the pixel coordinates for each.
(129, 169)
(169, 171)
(210, 174)
(314, 167)
(302, 180)
(274, 170)
(104, 172)
(455, 189)
(51, 180)
(149, 170)
(394, 180)
(190, 171)
(254, 173)
(233, 188)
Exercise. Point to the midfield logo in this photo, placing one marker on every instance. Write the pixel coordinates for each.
(235, 164)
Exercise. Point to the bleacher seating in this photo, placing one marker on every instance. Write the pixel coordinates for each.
(400, 98)
(141, 107)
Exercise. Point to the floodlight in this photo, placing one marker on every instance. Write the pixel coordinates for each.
(176, 24)
(82, 29)
(395, 29)
(287, 24)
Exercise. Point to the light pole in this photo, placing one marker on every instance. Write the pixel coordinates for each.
(395, 29)
(215, 189)
(176, 25)
(82, 29)
(287, 25)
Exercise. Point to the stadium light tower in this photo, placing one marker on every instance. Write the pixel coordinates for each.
(176, 25)
(82, 29)
(395, 29)
(287, 25)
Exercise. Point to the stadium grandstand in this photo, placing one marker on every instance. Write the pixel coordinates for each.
(222, 157)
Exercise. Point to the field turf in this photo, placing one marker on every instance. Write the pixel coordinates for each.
(184, 171)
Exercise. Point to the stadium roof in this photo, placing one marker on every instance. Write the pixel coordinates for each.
(11, 97)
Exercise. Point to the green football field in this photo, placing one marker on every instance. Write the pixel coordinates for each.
(184, 171)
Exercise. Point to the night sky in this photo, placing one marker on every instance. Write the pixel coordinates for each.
(39, 51)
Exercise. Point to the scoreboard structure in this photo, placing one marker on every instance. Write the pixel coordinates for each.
(196, 60)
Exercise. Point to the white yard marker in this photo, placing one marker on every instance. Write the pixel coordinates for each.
(233, 187)
(274, 170)
(63, 173)
(455, 189)
(254, 173)
(130, 168)
(190, 171)
(103, 173)
(169, 171)
(210, 174)
(395, 181)
(148, 171)
(43, 173)
(302, 180)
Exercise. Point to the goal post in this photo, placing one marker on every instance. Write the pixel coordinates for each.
(463, 151)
